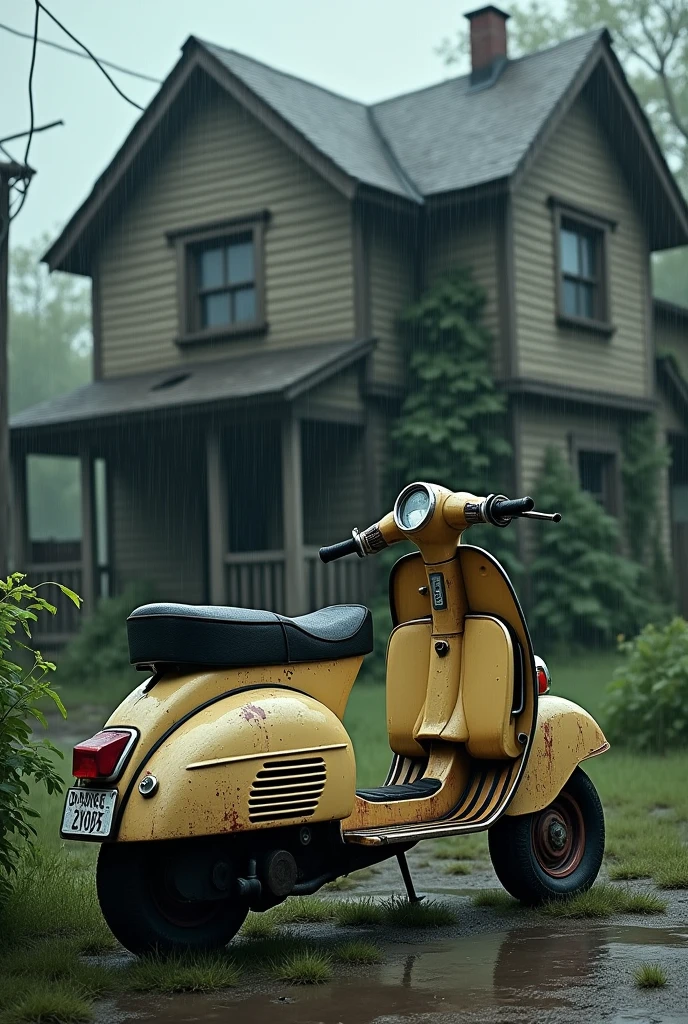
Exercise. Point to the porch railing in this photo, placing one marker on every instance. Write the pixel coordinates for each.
(256, 579)
(54, 630)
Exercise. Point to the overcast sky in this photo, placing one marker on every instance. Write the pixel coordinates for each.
(366, 49)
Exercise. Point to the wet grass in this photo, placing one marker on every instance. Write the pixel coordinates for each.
(44, 1003)
(301, 910)
(57, 959)
(358, 913)
(200, 972)
(358, 952)
(650, 976)
(459, 867)
(401, 913)
(259, 926)
(603, 901)
(495, 899)
(304, 967)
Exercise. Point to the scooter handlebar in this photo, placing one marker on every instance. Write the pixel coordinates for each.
(344, 547)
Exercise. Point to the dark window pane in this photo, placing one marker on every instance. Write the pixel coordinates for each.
(569, 252)
(596, 472)
(240, 262)
(569, 298)
(244, 305)
(587, 256)
(215, 310)
(210, 269)
(586, 300)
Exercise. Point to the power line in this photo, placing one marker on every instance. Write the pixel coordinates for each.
(93, 57)
(32, 121)
(37, 128)
(78, 53)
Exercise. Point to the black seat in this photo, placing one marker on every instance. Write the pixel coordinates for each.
(188, 634)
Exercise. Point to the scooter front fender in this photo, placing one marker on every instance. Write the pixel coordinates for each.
(246, 760)
(564, 736)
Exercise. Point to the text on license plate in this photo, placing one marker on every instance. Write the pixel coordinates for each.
(89, 812)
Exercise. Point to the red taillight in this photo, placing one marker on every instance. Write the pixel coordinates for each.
(543, 681)
(97, 757)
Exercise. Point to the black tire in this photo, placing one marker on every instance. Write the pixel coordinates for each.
(144, 915)
(553, 853)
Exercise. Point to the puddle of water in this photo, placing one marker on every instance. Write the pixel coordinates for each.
(504, 976)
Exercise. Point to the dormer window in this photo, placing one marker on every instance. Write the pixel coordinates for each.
(580, 255)
(220, 277)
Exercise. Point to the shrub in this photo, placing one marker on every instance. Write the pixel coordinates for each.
(583, 590)
(22, 690)
(647, 704)
(98, 657)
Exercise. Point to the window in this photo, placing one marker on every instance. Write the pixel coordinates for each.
(598, 475)
(220, 279)
(581, 269)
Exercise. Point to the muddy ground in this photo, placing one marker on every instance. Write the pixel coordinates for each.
(492, 966)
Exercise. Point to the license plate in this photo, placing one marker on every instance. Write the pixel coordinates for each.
(88, 813)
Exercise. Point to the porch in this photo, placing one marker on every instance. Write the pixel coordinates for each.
(224, 502)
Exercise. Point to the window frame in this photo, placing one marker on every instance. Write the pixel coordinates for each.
(607, 446)
(584, 222)
(187, 242)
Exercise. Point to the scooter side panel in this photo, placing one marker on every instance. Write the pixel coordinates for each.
(245, 760)
(565, 735)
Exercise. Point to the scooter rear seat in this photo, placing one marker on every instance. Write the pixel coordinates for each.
(188, 634)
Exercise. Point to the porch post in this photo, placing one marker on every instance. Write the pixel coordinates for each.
(19, 518)
(217, 517)
(292, 516)
(88, 534)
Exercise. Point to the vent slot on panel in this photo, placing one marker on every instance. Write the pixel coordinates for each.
(287, 789)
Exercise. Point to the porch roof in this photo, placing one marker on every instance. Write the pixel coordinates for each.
(281, 375)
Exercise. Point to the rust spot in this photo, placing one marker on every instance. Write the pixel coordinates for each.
(547, 733)
(232, 818)
(253, 713)
(289, 672)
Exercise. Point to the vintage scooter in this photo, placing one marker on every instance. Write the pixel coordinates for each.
(227, 781)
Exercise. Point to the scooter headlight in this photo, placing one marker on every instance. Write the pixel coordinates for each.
(414, 507)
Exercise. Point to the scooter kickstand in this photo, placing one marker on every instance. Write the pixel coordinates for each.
(408, 881)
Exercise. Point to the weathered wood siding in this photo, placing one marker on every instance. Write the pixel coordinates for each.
(391, 260)
(671, 338)
(336, 398)
(470, 237)
(222, 164)
(578, 165)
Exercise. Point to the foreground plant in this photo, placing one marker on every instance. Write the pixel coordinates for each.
(650, 976)
(603, 901)
(192, 973)
(304, 967)
(22, 690)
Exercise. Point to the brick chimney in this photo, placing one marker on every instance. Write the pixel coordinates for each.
(488, 44)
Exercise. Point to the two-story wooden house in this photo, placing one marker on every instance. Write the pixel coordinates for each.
(251, 246)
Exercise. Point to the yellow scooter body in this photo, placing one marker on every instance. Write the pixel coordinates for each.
(235, 750)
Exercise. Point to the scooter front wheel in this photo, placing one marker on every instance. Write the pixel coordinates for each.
(143, 911)
(553, 853)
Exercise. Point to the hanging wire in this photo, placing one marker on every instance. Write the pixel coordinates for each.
(93, 57)
(78, 53)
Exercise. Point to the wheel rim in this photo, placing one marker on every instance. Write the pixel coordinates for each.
(558, 836)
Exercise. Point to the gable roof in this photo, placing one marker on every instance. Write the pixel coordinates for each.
(443, 139)
(281, 374)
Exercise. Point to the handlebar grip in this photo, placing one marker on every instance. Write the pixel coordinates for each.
(512, 507)
(344, 547)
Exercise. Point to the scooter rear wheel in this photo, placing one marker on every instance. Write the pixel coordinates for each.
(144, 913)
(553, 853)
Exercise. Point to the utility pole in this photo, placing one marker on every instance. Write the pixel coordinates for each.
(9, 173)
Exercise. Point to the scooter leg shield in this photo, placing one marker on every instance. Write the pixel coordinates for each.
(564, 736)
(243, 761)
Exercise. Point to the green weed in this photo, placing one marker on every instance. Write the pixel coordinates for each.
(650, 976)
(259, 926)
(401, 913)
(358, 952)
(44, 1002)
(603, 901)
(197, 972)
(495, 899)
(355, 913)
(459, 867)
(302, 910)
(304, 967)
(672, 873)
(57, 959)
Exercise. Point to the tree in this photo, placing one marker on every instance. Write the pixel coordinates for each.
(49, 349)
(651, 40)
